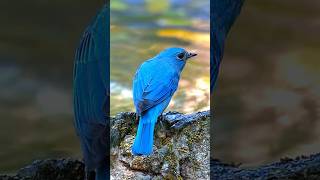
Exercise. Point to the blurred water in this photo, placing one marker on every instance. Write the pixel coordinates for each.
(141, 29)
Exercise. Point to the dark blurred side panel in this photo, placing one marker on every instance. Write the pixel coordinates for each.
(266, 102)
(37, 45)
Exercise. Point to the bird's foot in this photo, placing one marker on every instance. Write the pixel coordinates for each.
(179, 121)
(161, 120)
(137, 118)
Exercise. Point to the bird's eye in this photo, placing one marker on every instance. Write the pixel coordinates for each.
(180, 56)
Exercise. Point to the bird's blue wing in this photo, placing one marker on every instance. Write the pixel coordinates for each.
(90, 76)
(151, 87)
(91, 90)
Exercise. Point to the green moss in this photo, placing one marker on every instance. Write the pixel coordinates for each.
(179, 177)
(170, 177)
(165, 141)
(172, 161)
(195, 137)
(183, 150)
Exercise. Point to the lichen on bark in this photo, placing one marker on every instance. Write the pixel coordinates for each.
(178, 139)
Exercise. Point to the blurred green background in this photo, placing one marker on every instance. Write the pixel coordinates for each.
(266, 103)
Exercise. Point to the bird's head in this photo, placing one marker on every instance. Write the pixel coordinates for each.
(178, 54)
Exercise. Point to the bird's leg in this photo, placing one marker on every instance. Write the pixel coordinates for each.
(161, 119)
(137, 117)
(178, 121)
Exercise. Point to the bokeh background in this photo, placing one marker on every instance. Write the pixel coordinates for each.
(37, 44)
(140, 29)
(267, 101)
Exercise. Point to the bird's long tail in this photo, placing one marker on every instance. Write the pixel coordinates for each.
(143, 142)
(102, 172)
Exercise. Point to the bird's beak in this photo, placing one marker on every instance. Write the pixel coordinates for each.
(190, 55)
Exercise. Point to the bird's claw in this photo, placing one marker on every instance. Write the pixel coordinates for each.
(179, 121)
(137, 118)
(161, 119)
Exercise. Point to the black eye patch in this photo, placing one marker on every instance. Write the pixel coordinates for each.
(180, 56)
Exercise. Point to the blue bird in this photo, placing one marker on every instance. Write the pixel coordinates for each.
(154, 84)
(91, 96)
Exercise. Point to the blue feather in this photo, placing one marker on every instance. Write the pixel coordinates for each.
(144, 139)
(154, 84)
(91, 94)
